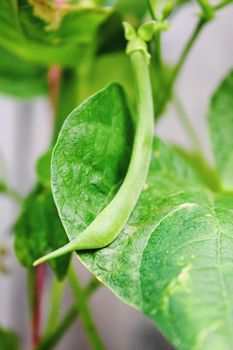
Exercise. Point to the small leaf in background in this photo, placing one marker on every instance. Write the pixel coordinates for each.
(39, 230)
(220, 120)
(8, 340)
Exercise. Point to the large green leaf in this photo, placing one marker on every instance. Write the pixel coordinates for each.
(8, 340)
(173, 260)
(220, 118)
(93, 147)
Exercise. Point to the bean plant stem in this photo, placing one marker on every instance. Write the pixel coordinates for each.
(187, 124)
(51, 340)
(85, 314)
(57, 289)
(222, 4)
(54, 75)
(189, 44)
(54, 78)
(15, 196)
(38, 292)
(200, 24)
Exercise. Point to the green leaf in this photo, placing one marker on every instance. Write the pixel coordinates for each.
(39, 230)
(173, 259)
(18, 78)
(8, 340)
(220, 119)
(92, 152)
(71, 23)
(26, 36)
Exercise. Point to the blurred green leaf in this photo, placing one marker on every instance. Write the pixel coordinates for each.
(8, 340)
(39, 230)
(26, 36)
(20, 79)
(77, 25)
(220, 120)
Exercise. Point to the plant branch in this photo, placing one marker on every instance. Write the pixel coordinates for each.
(15, 196)
(187, 124)
(51, 340)
(85, 314)
(38, 291)
(92, 286)
(222, 4)
(189, 44)
(200, 24)
(57, 289)
(54, 78)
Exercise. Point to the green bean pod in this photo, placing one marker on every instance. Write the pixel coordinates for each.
(110, 222)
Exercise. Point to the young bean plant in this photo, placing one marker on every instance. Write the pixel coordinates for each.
(151, 221)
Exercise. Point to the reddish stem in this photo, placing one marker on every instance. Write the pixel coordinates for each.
(54, 77)
(40, 274)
